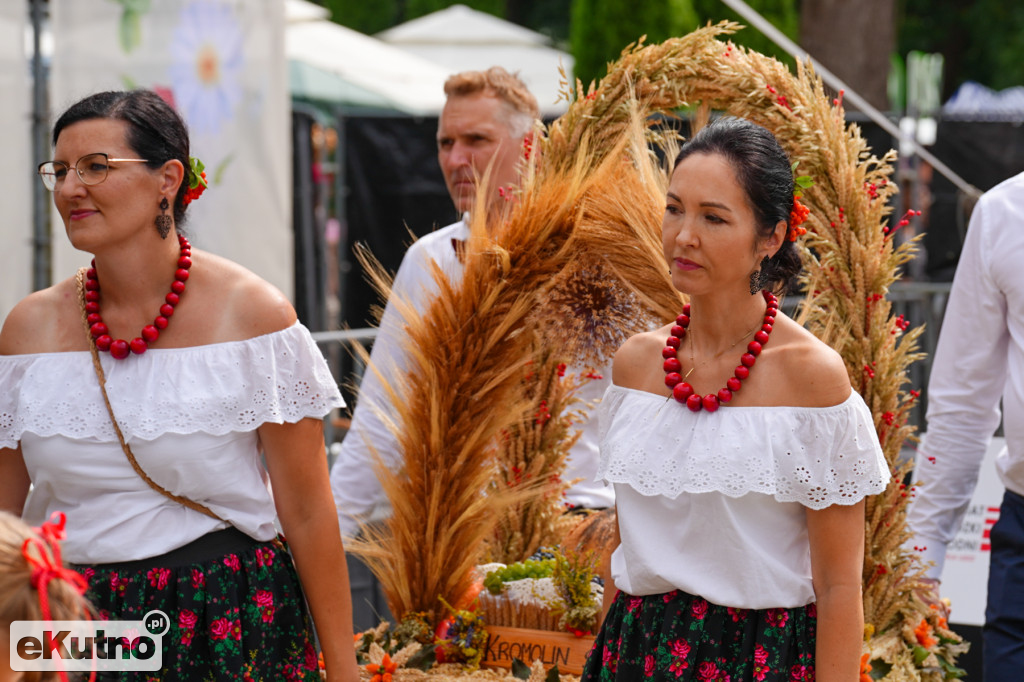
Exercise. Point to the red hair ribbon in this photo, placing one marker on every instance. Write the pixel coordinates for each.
(42, 553)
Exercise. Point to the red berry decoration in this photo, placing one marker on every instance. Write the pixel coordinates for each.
(119, 348)
(682, 391)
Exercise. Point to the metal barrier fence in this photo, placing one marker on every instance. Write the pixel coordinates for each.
(918, 302)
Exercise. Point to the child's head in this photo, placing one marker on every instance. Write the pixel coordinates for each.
(30, 561)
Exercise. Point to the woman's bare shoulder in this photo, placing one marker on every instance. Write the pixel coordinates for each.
(248, 305)
(45, 321)
(638, 361)
(819, 374)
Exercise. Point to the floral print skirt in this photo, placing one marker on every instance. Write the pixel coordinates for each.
(677, 636)
(238, 614)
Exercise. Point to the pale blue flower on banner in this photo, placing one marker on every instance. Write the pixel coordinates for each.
(207, 65)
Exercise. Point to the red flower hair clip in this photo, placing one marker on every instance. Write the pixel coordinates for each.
(798, 213)
(197, 184)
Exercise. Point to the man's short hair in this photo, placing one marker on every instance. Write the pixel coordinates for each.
(507, 87)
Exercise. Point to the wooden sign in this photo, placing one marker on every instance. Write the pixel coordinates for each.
(563, 649)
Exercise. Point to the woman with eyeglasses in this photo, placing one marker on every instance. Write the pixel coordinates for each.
(154, 398)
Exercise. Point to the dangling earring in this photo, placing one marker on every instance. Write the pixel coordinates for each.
(759, 277)
(163, 221)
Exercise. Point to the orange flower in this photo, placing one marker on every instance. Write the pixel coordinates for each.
(865, 668)
(797, 215)
(923, 632)
(382, 671)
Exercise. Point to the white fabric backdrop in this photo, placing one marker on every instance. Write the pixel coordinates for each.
(16, 177)
(222, 64)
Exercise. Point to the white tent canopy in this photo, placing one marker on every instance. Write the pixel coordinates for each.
(303, 10)
(460, 39)
(331, 62)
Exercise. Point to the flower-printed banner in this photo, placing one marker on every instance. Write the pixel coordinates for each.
(15, 178)
(221, 64)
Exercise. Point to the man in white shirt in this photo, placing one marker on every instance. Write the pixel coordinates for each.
(980, 359)
(484, 122)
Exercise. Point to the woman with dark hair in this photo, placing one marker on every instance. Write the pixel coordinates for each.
(161, 449)
(739, 453)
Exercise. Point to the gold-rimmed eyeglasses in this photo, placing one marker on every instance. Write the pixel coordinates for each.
(92, 169)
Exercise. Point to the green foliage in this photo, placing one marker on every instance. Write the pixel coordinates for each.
(365, 17)
(130, 26)
(419, 8)
(572, 576)
(981, 41)
(413, 628)
(783, 15)
(600, 29)
(520, 670)
(374, 17)
(550, 17)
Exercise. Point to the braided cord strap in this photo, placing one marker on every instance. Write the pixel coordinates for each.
(101, 376)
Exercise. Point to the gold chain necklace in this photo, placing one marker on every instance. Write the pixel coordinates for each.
(693, 365)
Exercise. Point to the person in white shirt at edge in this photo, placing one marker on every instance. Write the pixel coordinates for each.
(740, 509)
(484, 122)
(980, 359)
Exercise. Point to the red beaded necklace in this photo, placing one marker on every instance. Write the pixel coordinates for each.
(682, 391)
(119, 348)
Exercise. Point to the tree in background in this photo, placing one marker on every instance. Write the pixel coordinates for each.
(853, 40)
(783, 15)
(365, 17)
(600, 29)
(981, 40)
(419, 8)
(374, 17)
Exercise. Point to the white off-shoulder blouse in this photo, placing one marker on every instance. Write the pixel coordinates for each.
(190, 416)
(714, 503)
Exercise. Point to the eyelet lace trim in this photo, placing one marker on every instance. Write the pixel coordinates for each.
(216, 389)
(815, 456)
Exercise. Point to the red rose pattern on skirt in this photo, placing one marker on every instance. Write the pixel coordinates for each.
(237, 617)
(677, 636)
